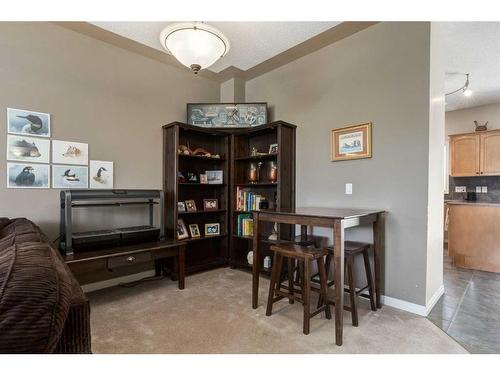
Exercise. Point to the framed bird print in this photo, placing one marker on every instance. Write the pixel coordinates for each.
(101, 174)
(64, 152)
(25, 122)
(351, 142)
(28, 149)
(28, 176)
(69, 177)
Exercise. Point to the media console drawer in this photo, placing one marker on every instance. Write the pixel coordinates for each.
(128, 260)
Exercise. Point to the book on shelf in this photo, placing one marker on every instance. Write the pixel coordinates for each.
(247, 200)
(244, 225)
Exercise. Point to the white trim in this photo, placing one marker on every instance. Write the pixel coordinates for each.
(115, 281)
(404, 305)
(413, 307)
(433, 300)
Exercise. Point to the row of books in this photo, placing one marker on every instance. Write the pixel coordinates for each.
(247, 201)
(244, 225)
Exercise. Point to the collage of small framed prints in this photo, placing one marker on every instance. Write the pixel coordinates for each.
(32, 165)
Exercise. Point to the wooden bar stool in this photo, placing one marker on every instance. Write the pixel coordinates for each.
(351, 250)
(304, 256)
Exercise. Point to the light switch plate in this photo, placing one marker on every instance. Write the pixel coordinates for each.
(478, 189)
(348, 188)
(484, 189)
(460, 189)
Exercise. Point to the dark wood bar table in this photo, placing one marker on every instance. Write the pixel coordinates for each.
(337, 219)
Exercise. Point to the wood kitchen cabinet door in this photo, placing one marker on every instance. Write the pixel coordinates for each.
(490, 153)
(465, 155)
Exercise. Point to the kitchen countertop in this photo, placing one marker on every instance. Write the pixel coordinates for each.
(472, 203)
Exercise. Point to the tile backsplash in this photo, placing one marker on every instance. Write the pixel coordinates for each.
(492, 182)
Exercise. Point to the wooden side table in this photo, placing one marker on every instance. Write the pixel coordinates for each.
(121, 256)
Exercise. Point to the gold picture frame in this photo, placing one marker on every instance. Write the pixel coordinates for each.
(351, 142)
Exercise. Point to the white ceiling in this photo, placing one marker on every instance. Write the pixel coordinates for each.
(474, 48)
(251, 42)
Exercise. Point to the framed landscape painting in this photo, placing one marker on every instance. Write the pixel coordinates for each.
(28, 176)
(28, 149)
(351, 142)
(21, 121)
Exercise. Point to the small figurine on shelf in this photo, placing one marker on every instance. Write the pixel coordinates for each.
(274, 233)
(180, 177)
(254, 151)
(184, 150)
(192, 177)
(267, 262)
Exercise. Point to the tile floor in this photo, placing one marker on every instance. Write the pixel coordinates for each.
(469, 310)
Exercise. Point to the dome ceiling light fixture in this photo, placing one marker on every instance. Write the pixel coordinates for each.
(464, 89)
(194, 44)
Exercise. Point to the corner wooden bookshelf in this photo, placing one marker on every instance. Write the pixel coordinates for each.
(234, 145)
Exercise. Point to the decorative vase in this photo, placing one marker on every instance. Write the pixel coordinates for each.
(272, 172)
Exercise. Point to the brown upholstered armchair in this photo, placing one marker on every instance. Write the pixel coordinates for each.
(42, 307)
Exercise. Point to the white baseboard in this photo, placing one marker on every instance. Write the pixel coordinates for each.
(413, 307)
(117, 280)
(433, 300)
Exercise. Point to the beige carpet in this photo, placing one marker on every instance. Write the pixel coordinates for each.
(214, 315)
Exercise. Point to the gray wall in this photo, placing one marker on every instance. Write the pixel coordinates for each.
(381, 75)
(112, 99)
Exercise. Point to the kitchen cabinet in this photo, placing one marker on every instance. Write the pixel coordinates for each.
(473, 236)
(475, 154)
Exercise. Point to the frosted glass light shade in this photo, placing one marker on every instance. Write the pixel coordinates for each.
(196, 45)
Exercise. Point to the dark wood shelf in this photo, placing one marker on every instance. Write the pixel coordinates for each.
(207, 265)
(198, 184)
(245, 265)
(256, 157)
(259, 184)
(201, 212)
(198, 157)
(204, 238)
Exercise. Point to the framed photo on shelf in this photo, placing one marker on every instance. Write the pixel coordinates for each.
(194, 230)
(182, 232)
(273, 148)
(190, 206)
(212, 229)
(210, 204)
(181, 207)
(351, 142)
(214, 177)
(203, 179)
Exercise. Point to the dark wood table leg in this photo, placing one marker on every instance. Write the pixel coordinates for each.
(158, 267)
(303, 233)
(180, 266)
(256, 261)
(338, 259)
(306, 295)
(377, 234)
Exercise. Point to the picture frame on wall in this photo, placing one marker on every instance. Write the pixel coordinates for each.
(227, 114)
(101, 174)
(28, 123)
(28, 149)
(67, 152)
(70, 177)
(351, 142)
(28, 176)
